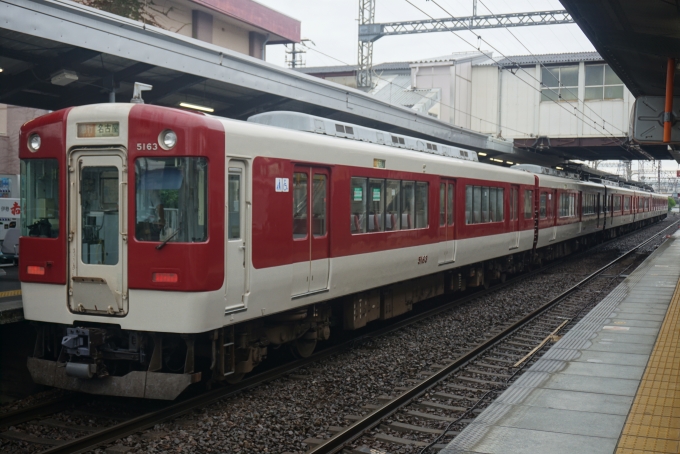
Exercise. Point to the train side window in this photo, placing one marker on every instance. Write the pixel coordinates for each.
(450, 205)
(626, 204)
(492, 204)
(358, 205)
(468, 205)
(319, 217)
(543, 206)
(376, 200)
(408, 204)
(392, 217)
(500, 205)
(233, 202)
(421, 205)
(485, 204)
(442, 204)
(528, 204)
(300, 197)
(477, 205)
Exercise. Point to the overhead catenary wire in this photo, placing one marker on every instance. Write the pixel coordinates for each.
(515, 64)
(423, 96)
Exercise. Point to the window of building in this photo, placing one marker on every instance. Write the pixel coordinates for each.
(528, 204)
(559, 83)
(483, 204)
(602, 83)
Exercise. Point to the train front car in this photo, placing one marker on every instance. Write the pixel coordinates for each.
(122, 253)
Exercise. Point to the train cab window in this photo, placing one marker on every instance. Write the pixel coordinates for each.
(392, 217)
(408, 205)
(171, 199)
(233, 203)
(99, 215)
(40, 198)
(300, 198)
(421, 205)
(319, 205)
(543, 206)
(376, 207)
(528, 204)
(358, 205)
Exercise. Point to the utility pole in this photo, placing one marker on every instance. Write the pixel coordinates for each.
(293, 61)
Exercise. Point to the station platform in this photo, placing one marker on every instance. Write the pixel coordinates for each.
(11, 307)
(610, 385)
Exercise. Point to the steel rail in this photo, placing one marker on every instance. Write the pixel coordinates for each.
(22, 415)
(356, 430)
(182, 407)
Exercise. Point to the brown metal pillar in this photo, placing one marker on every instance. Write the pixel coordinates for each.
(670, 76)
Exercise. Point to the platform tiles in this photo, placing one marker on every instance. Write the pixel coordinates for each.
(577, 397)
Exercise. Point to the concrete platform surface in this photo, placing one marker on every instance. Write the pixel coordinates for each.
(578, 396)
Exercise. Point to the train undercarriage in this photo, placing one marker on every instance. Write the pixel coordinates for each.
(104, 359)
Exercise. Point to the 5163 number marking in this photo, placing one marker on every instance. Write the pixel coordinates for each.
(422, 259)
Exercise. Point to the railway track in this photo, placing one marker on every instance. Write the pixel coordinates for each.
(474, 388)
(442, 404)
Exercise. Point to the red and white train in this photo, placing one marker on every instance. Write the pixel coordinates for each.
(162, 247)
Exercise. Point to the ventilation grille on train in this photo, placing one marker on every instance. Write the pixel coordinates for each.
(303, 122)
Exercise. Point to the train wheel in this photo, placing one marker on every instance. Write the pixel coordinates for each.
(234, 378)
(305, 345)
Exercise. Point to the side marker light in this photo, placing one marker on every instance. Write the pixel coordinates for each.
(36, 270)
(165, 278)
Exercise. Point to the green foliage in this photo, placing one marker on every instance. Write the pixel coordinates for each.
(671, 203)
(139, 10)
(169, 198)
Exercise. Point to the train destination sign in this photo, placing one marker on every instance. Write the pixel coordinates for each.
(88, 130)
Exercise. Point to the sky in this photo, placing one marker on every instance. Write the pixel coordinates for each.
(332, 26)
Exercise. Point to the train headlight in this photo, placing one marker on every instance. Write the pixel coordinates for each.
(33, 142)
(167, 139)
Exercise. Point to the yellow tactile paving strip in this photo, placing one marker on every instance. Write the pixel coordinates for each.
(653, 424)
(10, 293)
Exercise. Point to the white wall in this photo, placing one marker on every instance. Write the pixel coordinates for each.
(438, 75)
(484, 105)
(519, 103)
(462, 94)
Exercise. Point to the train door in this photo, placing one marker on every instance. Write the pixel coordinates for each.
(447, 244)
(98, 233)
(514, 217)
(598, 209)
(310, 230)
(236, 255)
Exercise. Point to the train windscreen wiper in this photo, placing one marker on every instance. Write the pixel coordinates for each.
(160, 246)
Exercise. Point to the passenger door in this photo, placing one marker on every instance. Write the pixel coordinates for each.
(98, 233)
(310, 187)
(236, 256)
(447, 248)
(514, 216)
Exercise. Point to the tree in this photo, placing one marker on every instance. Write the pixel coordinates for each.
(139, 10)
(671, 203)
